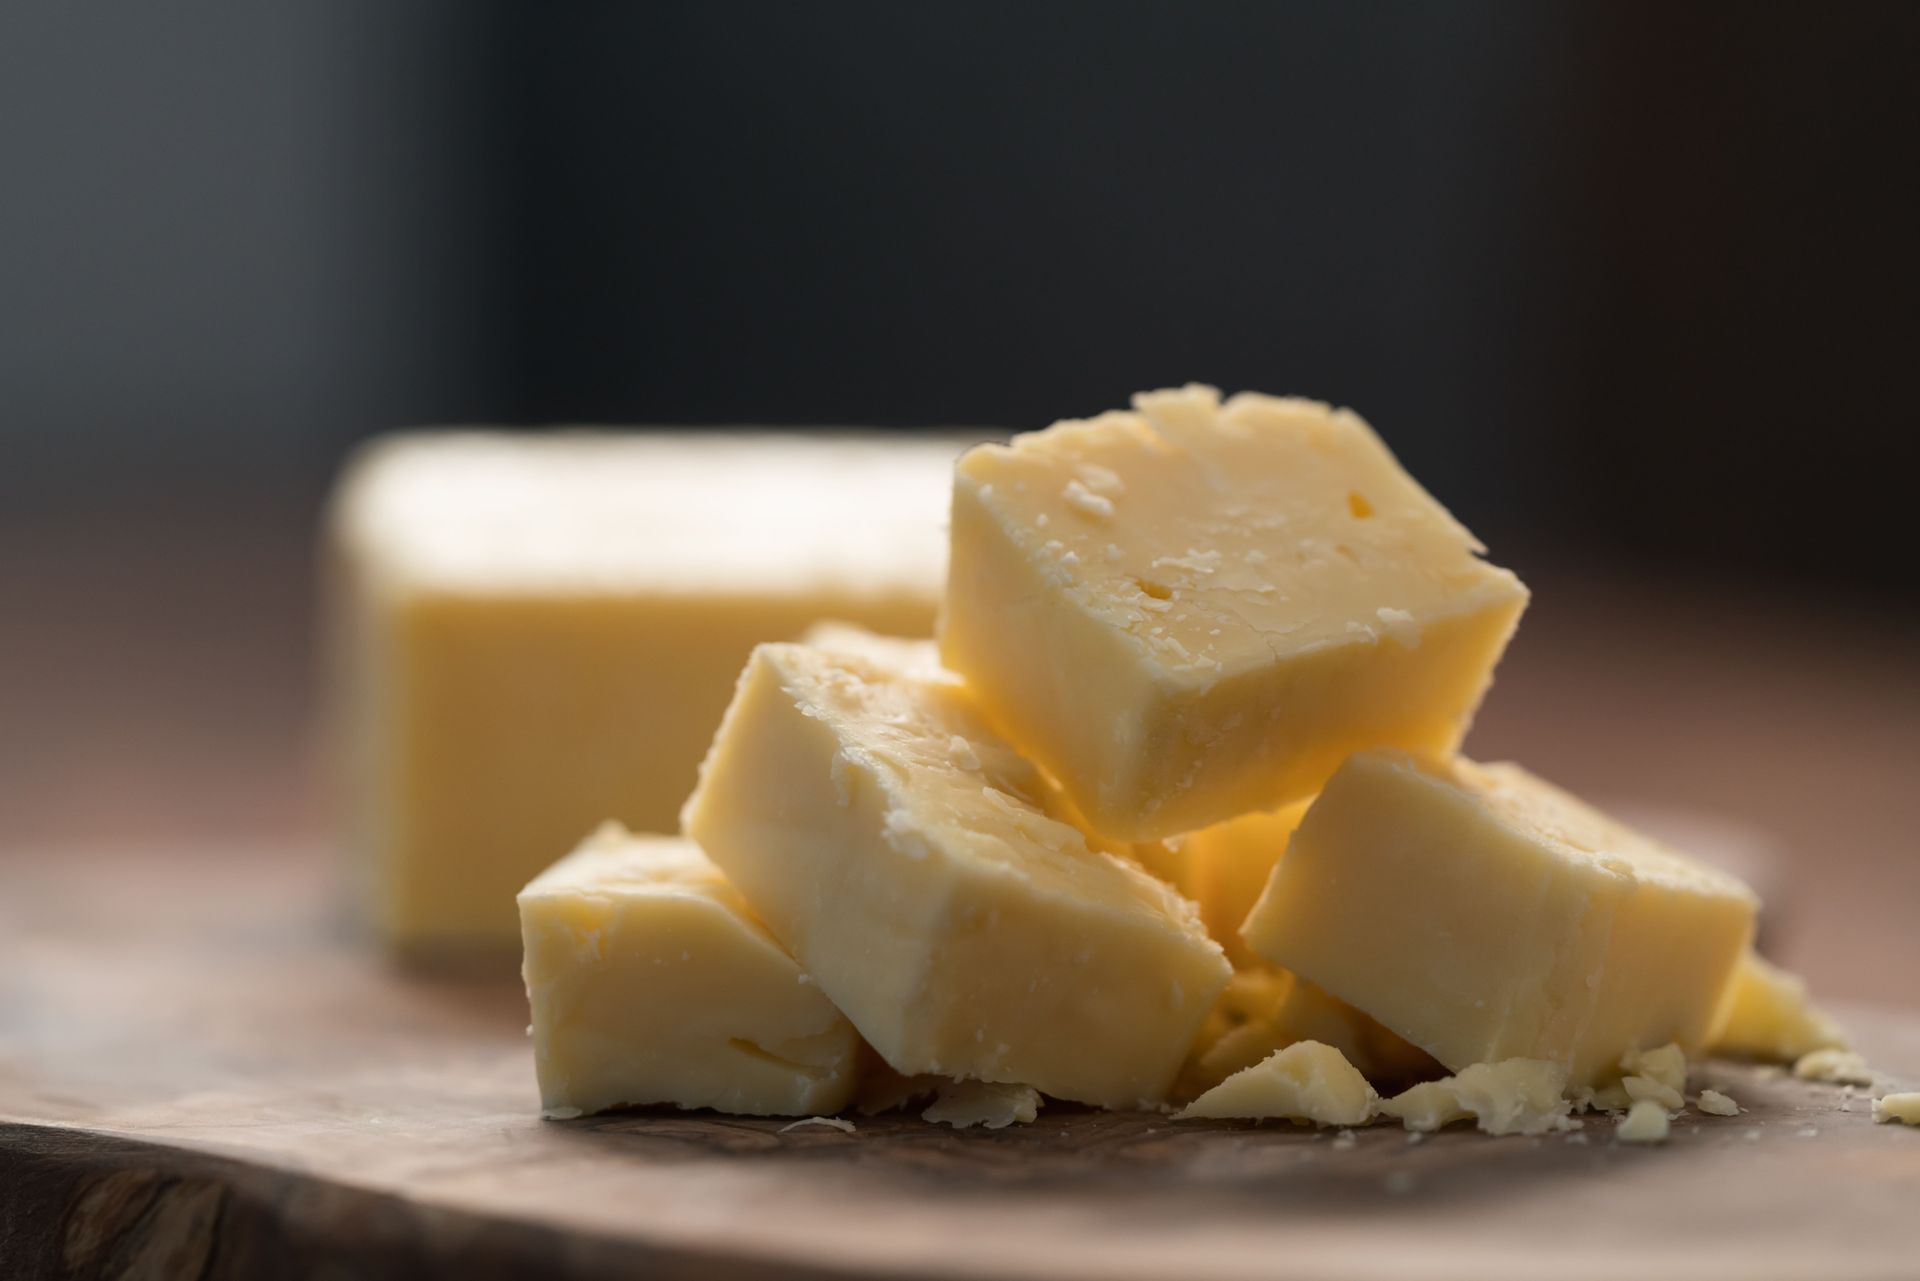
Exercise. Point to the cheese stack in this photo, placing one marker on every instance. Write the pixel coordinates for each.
(1175, 814)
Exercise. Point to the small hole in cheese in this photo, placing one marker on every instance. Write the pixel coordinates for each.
(1357, 504)
(1159, 591)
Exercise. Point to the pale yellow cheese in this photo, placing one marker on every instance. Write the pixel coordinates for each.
(650, 982)
(1644, 1122)
(1485, 915)
(903, 850)
(537, 632)
(1307, 1081)
(1834, 1066)
(1198, 610)
(1714, 1103)
(1515, 1096)
(1768, 1015)
(988, 1104)
(1904, 1108)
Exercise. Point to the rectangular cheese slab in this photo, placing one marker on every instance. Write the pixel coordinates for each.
(904, 852)
(534, 633)
(650, 982)
(1197, 610)
(1483, 914)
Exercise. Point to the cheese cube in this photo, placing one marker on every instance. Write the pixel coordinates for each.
(1484, 915)
(903, 851)
(536, 633)
(1198, 610)
(650, 982)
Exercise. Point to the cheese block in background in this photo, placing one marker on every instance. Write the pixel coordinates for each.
(904, 853)
(1769, 1015)
(1483, 915)
(1198, 610)
(650, 982)
(534, 633)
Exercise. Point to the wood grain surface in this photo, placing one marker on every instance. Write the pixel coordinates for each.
(200, 1076)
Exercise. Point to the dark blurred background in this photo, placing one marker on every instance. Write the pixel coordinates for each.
(1643, 279)
(1634, 287)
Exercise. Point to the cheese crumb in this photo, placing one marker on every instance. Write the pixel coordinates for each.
(1515, 1096)
(984, 1103)
(1667, 1065)
(1714, 1103)
(1645, 1122)
(839, 1123)
(1834, 1066)
(1640, 1088)
(1904, 1108)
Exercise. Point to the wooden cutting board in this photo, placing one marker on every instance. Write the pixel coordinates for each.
(201, 1077)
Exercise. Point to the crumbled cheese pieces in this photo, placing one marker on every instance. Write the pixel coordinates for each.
(1307, 1081)
(988, 1104)
(1197, 610)
(964, 930)
(1714, 1103)
(1518, 1096)
(1904, 1108)
(1657, 1075)
(1836, 1067)
(1401, 891)
(1644, 1122)
(650, 982)
(1768, 1015)
(534, 633)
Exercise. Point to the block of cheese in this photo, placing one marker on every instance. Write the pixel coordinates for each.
(921, 657)
(1307, 1081)
(534, 633)
(651, 982)
(1483, 915)
(1197, 610)
(901, 849)
(1768, 1015)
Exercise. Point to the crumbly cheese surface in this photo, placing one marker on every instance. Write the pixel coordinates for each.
(1485, 915)
(1198, 609)
(651, 983)
(1307, 1081)
(889, 836)
(533, 633)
